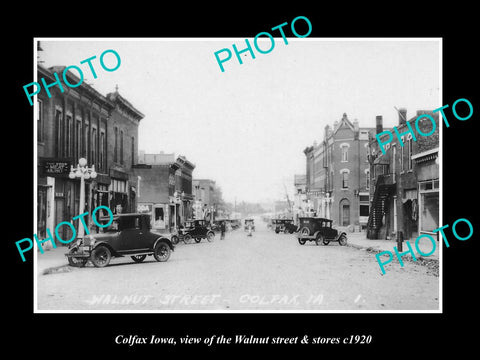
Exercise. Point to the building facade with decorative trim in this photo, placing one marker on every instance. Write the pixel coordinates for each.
(337, 174)
(82, 123)
(405, 180)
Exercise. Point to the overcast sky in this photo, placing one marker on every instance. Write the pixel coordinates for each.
(246, 128)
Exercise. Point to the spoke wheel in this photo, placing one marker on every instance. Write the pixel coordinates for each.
(187, 239)
(77, 262)
(210, 236)
(101, 256)
(162, 251)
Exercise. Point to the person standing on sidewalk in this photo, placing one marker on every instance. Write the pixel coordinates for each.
(222, 230)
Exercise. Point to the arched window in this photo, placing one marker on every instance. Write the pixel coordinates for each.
(344, 178)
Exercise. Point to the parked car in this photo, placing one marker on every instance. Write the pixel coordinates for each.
(290, 227)
(249, 222)
(319, 230)
(196, 229)
(279, 225)
(127, 235)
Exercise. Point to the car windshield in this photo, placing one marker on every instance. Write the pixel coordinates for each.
(113, 227)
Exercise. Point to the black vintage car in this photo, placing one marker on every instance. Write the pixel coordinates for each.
(127, 235)
(196, 229)
(283, 225)
(249, 222)
(319, 230)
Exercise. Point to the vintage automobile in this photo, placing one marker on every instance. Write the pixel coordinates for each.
(282, 225)
(249, 222)
(127, 235)
(196, 229)
(319, 230)
(290, 228)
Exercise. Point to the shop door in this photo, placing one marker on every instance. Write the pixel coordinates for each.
(345, 215)
(42, 212)
(59, 215)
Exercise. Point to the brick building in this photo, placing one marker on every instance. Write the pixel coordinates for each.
(82, 123)
(165, 189)
(204, 195)
(337, 174)
(405, 180)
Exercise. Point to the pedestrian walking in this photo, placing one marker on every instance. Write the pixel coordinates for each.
(222, 230)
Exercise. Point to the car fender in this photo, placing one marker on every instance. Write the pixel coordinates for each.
(165, 240)
(106, 244)
(340, 234)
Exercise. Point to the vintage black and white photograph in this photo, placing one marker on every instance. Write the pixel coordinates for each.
(269, 174)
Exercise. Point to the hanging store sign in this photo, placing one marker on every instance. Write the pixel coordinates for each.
(55, 167)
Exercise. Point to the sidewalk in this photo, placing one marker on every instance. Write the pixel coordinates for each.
(359, 240)
(52, 260)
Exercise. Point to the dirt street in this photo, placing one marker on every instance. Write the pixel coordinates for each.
(267, 271)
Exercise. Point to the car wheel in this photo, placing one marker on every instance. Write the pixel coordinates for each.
(77, 262)
(326, 242)
(302, 241)
(187, 239)
(175, 240)
(210, 236)
(342, 240)
(286, 231)
(101, 256)
(277, 231)
(197, 240)
(305, 231)
(162, 251)
(138, 258)
(319, 239)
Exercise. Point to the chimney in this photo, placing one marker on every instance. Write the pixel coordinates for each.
(379, 120)
(402, 116)
(355, 125)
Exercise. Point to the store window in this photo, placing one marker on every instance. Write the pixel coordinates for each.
(159, 218)
(429, 213)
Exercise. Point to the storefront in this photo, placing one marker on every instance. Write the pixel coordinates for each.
(163, 216)
(427, 169)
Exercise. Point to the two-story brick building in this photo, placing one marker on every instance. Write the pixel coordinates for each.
(405, 180)
(82, 123)
(337, 174)
(165, 189)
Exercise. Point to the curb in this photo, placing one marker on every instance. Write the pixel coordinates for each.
(57, 269)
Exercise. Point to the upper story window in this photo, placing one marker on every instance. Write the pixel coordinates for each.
(39, 120)
(344, 151)
(410, 153)
(344, 178)
(402, 154)
(115, 145)
(121, 147)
